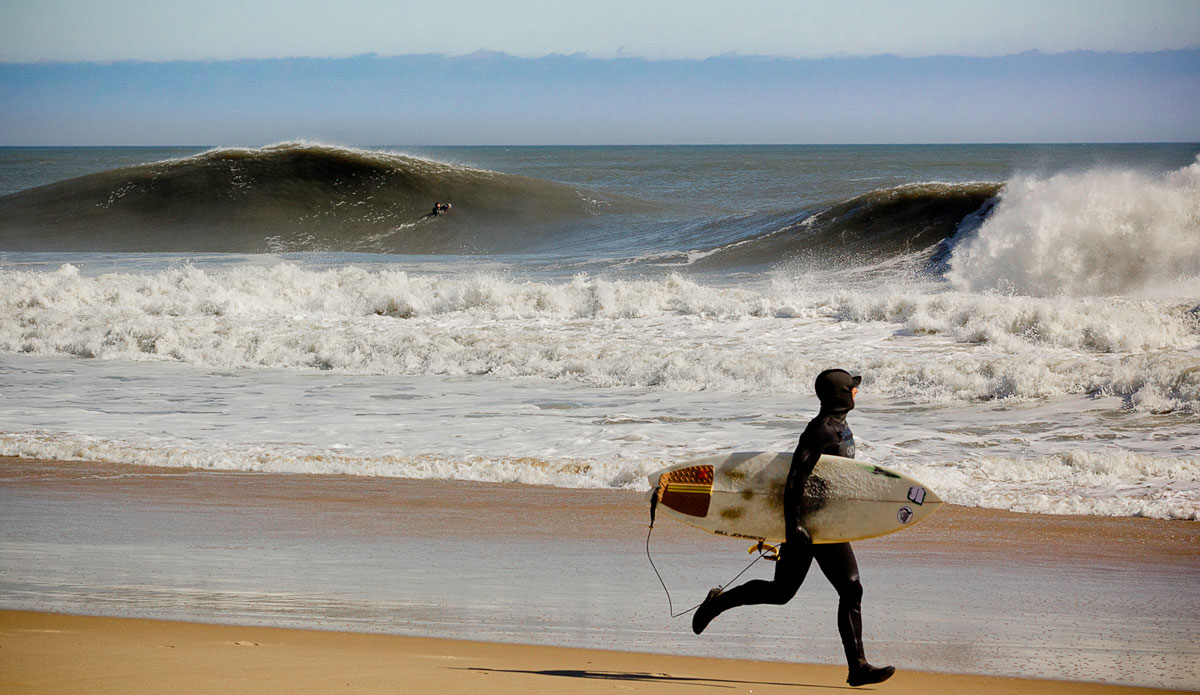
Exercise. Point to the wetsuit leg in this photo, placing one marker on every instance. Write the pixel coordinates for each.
(790, 570)
(837, 562)
(795, 557)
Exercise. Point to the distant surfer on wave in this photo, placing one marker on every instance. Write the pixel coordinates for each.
(439, 208)
(827, 433)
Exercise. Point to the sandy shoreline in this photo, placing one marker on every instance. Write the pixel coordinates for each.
(495, 567)
(47, 653)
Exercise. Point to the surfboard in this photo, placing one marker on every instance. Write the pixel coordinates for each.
(741, 495)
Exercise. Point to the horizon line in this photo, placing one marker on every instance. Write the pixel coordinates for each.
(582, 55)
(318, 143)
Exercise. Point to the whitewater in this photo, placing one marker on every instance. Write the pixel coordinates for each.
(1026, 319)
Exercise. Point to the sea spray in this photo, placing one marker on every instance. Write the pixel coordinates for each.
(1101, 232)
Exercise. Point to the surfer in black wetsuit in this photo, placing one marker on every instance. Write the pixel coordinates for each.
(827, 433)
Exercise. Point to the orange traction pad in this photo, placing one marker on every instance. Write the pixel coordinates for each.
(687, 490)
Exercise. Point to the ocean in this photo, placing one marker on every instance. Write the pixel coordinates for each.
(1026, 318)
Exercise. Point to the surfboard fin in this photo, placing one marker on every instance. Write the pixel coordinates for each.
(768, 551)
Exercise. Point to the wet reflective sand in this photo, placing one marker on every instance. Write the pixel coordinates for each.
(970, 591)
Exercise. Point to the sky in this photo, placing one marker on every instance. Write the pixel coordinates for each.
(601, 72)
(153, 30)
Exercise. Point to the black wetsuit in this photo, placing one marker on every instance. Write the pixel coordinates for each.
(827, 433)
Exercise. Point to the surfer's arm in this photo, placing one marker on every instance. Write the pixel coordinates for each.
(817, 437)
(813, 442)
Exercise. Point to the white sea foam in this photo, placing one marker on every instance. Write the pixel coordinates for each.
(1057, 454)
(1103, 232)
(1109, 483)
(284, 459)
(673, 333)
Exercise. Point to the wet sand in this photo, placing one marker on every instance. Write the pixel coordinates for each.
(497, 568)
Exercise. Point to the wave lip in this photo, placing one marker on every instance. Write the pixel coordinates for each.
(289, 197)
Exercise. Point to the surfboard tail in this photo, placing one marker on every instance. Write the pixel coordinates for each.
(687, 490)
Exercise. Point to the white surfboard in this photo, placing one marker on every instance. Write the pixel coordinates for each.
(741, 495)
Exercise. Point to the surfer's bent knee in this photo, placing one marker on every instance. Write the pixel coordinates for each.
(782, 591)
(851, 590)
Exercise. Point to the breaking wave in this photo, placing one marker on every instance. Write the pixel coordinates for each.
(298, 197)
(1100, 233)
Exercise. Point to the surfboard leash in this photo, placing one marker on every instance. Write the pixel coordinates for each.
(670, 604)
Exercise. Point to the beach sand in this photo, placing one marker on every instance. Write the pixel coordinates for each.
(498, 586)
(45, 653)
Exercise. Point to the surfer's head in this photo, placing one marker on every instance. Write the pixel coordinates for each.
(836, 389)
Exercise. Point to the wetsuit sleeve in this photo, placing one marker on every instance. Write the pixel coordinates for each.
(818, 436)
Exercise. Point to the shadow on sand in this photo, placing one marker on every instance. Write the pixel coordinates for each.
(655, 678)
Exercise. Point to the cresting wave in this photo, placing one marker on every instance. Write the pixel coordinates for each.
(1073, 482)
(673, 333)
(289, 197)
(914, 219)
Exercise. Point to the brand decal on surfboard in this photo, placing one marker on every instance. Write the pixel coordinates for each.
(904, 515)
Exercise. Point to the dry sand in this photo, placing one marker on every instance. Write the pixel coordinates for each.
(47, 653)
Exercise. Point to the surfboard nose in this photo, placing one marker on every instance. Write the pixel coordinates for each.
(923, 496)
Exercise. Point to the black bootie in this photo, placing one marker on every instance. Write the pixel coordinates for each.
(706, 612)
(866, 674)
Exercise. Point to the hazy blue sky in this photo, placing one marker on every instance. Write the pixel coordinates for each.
(601, 72)
(84, 30)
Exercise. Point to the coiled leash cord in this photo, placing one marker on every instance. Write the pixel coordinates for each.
(762, 553)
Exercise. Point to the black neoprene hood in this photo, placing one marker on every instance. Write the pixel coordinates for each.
(835, 389)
